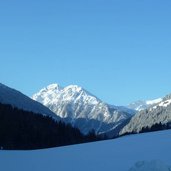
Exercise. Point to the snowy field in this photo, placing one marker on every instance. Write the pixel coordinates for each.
(114, 155)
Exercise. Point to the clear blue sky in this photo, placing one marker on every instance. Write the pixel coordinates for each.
(119, 50)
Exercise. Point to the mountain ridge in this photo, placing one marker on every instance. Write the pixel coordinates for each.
(143, 104)
(75, 102)
(17, 99)
(159, 113)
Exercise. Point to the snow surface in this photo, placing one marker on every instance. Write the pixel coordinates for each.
(123, 154)
(152, 102)
(165, 103)
(155, 165)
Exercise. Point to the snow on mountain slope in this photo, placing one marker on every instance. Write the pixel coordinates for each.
(159, 113)
(81, 108)
(19, 100)
(150, 150)
(142, 104)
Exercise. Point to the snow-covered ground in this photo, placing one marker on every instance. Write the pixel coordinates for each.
(122, 154)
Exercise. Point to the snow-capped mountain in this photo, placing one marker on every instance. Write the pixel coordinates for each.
(142, 104)
(21, 101)
(158, 113)
(79, 107)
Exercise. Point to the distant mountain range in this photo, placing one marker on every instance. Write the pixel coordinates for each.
(84, 110)
(142, 104)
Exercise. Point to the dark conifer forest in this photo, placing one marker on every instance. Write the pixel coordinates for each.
(22, 130)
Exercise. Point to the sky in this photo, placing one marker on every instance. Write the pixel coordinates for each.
(118, 50)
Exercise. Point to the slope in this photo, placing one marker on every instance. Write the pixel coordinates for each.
(21, 101)
(156, 114)
(23, 130)
(119, 154)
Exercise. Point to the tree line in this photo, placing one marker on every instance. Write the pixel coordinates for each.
(23, 130)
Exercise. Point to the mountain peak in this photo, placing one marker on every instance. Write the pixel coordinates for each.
(75, 104)
(54, 86)
(74, 87)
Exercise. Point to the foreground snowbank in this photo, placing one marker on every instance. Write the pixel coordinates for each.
(154, 165)
(120, 154)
